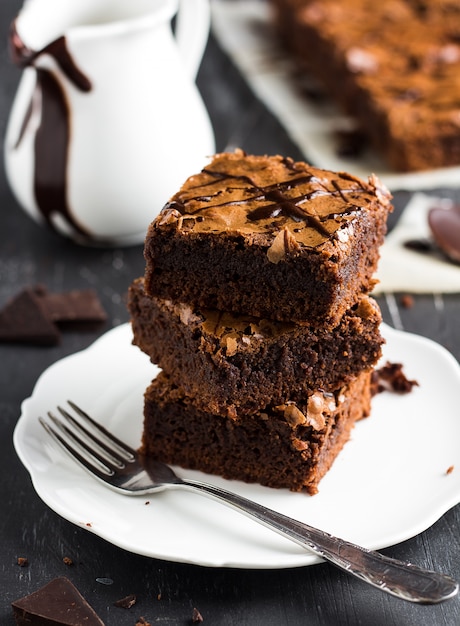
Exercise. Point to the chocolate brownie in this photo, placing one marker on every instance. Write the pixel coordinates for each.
(235, 364)
(284, 446)
(268, 237)
(394, 66)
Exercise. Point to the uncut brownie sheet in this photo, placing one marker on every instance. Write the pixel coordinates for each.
(268, 237)
(236, 364)
(288, 446)
(394, 66)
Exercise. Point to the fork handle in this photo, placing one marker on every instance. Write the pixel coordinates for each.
(404, 580)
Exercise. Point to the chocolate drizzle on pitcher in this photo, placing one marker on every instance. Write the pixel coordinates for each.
(52, 137)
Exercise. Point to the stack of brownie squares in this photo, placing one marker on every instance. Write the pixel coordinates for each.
(255, 304)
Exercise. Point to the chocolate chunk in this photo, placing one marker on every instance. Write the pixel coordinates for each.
(58, 603)
(35, 316)
(445, 228)
(77, 307)
(23, 320)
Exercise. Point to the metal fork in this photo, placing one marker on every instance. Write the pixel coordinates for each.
(126, 471)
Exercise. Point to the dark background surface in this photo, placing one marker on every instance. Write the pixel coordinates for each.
(317, 595)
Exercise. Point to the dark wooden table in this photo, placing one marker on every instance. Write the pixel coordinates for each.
(316, 595)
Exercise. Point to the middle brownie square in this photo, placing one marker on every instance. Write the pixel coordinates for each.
(234, 364)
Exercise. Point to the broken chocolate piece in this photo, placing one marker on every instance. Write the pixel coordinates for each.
(77, 306)
(58, 603)
(35, 315)
(24, 321)
(445, 228)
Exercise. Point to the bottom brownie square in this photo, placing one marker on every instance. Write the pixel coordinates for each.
(291, 445)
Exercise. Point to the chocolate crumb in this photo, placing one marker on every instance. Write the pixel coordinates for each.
(23, 561)
(196, 616)
(67, 560)
(390, 377)
(127, 602)
(450, 469)
(407, 301)
(147, 502)
(141, 621)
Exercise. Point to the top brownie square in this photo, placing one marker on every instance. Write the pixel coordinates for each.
(269, 237)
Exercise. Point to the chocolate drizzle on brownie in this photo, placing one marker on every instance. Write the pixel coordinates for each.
(311, 207)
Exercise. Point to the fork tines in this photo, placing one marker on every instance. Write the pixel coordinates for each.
(87, 441)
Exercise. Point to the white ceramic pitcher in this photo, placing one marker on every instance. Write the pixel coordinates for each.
(107, 121)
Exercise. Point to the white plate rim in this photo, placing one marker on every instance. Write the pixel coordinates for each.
(233, 539)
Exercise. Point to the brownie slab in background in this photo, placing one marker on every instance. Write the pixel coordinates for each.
(394, 66)
(236, 364)
(268, 237)
(290, 446)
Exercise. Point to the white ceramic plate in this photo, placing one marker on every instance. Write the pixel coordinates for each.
(389, 483)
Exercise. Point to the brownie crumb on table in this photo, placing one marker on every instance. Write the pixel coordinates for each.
(197, 618)
(407, 301)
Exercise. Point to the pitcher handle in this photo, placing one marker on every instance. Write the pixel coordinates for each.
(192, 31)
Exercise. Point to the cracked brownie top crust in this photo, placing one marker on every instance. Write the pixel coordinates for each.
(284, 204)
(245, 220)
